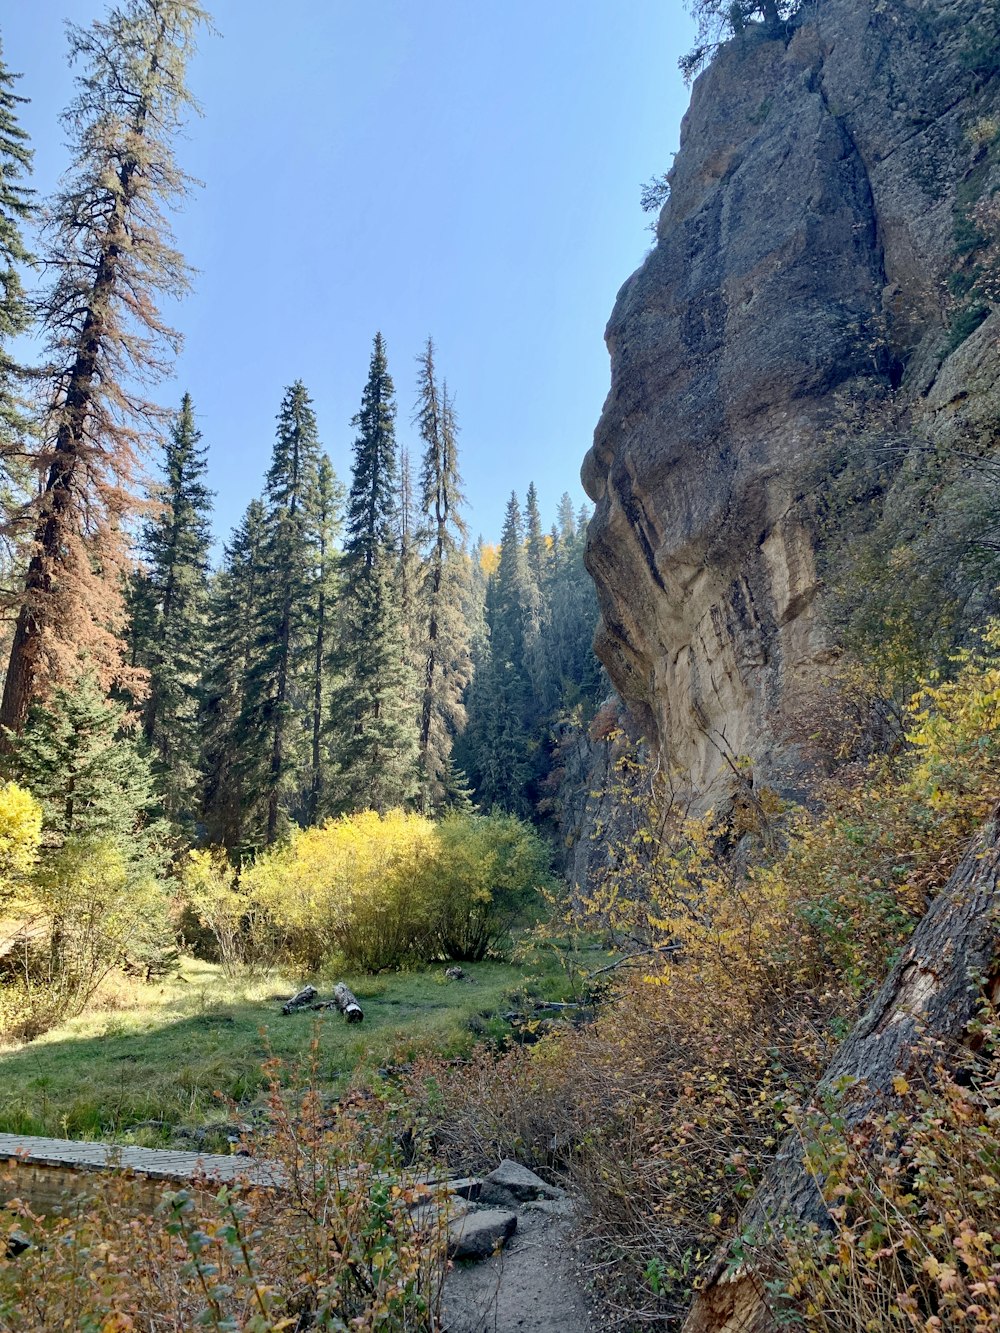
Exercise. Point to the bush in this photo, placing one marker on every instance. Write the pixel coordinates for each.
(355, 887)
(245, 938)
(341, 1246)
(379, 891)
(666, 1110)
(914, 1196)
(486, 876)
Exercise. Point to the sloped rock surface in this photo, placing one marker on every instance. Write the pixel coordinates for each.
(802, 261)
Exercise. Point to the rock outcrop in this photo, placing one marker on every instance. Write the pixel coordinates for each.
(826, 172)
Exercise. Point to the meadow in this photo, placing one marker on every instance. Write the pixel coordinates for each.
(181, 1059)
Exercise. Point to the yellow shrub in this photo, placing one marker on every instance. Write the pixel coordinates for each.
(356, 886)
(20, 832)
(241, 928)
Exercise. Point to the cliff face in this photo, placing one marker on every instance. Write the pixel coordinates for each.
(802, 262)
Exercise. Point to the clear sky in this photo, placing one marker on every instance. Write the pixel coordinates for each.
(465, 169)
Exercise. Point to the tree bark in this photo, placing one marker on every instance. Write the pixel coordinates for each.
(935, 990)
(347, 1002)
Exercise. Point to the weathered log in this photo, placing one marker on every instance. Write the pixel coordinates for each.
(300, 1000)
(934, 991)
(347, 1002)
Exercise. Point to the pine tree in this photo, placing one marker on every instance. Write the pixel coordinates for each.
(170, 617)
(447, 663)
(537, 549)
(16, 210)
(277, 686)
(374, 729)
(104, 846)
(499, 748)
(409, 577)
(327, 504)
(236, 754)
(110, 245)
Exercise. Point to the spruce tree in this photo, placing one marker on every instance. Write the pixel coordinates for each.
(236, 753)
(374, 728)
(446, 663)
(325, 515)
(277, 702)
(170, 617)
(16, 210)
(109, 242)
(77, 756)
(500, 746)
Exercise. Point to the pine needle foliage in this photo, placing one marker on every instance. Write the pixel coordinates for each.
(374, 731)
(170, 616)
(16, 210)
(109, 244)
(446, 661)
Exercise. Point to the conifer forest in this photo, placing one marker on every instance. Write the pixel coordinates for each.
(585, 923)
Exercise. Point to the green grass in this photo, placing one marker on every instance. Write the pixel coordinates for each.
(182, 1050)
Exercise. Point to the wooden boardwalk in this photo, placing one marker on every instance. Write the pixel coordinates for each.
(44, 1172)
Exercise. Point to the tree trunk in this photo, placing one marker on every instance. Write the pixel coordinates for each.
(347, 1002)
(934, 991)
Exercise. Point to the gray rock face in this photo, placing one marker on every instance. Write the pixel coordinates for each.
(802, 260)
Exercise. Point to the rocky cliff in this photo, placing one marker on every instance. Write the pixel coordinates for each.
(821, 248)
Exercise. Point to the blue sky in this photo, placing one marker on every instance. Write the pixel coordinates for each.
(449, 167)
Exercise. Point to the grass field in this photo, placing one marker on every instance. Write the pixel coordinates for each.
(178, 1052)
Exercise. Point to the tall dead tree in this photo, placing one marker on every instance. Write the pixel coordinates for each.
(110, 247)
(950, 966)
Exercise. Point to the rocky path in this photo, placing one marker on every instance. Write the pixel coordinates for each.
(530, 1285)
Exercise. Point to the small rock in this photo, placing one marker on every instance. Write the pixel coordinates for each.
(479, 1234)
(511, 1180)
(17, 1243)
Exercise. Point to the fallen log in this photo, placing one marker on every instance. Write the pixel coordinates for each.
(934, 991)
(300, 1000)
(347, 1002)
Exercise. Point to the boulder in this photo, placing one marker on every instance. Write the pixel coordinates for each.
(481, 1233)
(512, 1183)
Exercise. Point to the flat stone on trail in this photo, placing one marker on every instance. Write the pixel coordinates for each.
(511, 1180)
(479, 1234)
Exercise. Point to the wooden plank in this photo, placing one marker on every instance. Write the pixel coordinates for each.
(47, 1173)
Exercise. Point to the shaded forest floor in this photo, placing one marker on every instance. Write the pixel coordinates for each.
(180, 1060)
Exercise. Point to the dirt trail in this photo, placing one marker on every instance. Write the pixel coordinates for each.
(529, 1287)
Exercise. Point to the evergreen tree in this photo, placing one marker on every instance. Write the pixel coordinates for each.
(499, 748)
(104, 847)
(110, 245)
(409, 576)
(170, 617)
(15, 211)
(537, 549)
(327, 504)
(236, 753)
(536, 610)
(277, 701)
(78, 758)
(446, 661)
(374, 728)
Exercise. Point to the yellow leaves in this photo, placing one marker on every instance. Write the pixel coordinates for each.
(900, 1086)
(20, 832)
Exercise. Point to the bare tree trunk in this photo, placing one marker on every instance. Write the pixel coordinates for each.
(949, 966)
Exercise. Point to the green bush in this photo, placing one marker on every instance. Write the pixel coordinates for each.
(486, 878)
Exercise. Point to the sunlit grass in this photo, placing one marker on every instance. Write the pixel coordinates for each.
(176, 1054)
